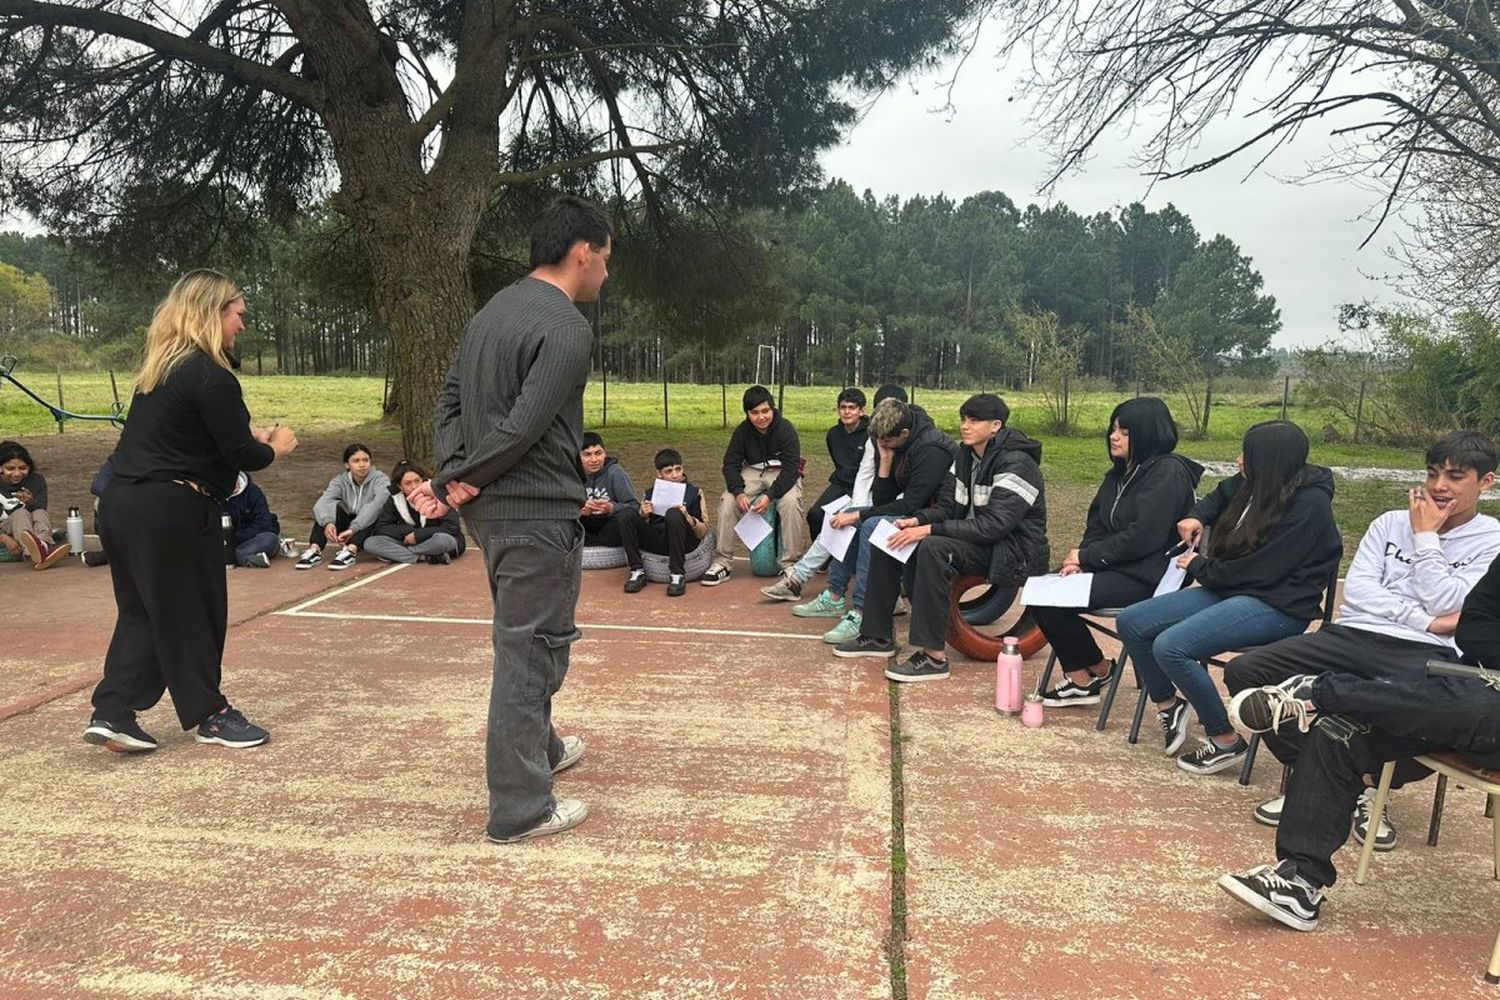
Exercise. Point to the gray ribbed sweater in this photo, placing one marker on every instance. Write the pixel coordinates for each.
(510, 417)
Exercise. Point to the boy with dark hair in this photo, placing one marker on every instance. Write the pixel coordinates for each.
(610, 507)
(668, 532)
(257, 531)
(1402, 596)
(1354, 726)
(762, 465)
(990, 519)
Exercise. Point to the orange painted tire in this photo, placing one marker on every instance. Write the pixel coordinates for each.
(977, 645)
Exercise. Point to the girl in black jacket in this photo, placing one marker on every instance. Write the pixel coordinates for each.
(1131, 524)
(402, 535)
(1261, 574)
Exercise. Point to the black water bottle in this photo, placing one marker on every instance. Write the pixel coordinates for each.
(226, 528)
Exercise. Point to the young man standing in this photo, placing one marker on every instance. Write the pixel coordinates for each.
(762, 465)
(991, 519)
(507, 432)
(1402, 596)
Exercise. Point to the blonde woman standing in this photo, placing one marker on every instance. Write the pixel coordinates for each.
(187, 437)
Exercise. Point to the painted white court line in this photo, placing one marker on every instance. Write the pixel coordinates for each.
(340, 591)
(436, 620)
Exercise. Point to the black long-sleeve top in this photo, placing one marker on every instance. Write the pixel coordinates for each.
(193, 426)
(748, 446)
(1478, 634)
(1133, 519)
(847, 449)
(917, 474)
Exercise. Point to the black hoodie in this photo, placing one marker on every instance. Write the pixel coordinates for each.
(748, 446)
(1133, 519)
(847, 449)
(1291, 568)
(1000, 501)
(918, 472)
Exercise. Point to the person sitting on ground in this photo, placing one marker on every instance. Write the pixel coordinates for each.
(1131, 524)
(1401, 597)
(611, 507)
(990, 519)
(1353, 724)
(403, 535)
(24, 526)
(762, 466)
(257, 531)
(347, 510)
(665, 532)
(1261, 578)
(914, 459)
(830, 603)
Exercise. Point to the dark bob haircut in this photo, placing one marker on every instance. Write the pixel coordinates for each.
(563, 223)
(1152, 430)
(757, 394)
(15, 449)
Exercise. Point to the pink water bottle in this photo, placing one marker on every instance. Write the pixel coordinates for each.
(1008, 676)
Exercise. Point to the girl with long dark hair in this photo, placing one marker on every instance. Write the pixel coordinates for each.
(1131, 524)
(1261, 576)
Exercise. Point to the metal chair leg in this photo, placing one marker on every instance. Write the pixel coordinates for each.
(1377, 813)
(1140, 713)
(1249, 764)
(1436, 823)
(1041, 685)
(1492, 974)
(1112, 688)
(1495, 822)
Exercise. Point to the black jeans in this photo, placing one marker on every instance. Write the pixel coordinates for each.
(1362, 724)
(1071, 639)
(815, 511)
(670, 536)
(928, 574)
(166, 560)
(622, 528)
(1331, 649)
(341, 520)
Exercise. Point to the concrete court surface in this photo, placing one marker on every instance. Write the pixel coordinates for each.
(739, 842)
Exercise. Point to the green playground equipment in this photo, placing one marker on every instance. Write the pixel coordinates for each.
(116, 416)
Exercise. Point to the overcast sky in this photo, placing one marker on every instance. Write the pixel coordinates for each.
(1304, 239)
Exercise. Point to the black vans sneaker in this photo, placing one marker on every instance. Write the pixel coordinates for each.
(310, 558)
(676, 586)
(865, 645)
(121, 737)
(636, 582)
(1278, 893)
(229, 728)
(342, 559)
(1385, 837)
(1210, 758)
(918, 667)
(1174, 725)
(1264, 709)
(1068, 693)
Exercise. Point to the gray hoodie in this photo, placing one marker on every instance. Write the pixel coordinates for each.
(610, 483)
(363, 501)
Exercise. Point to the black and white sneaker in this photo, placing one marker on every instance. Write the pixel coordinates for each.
(676, 585)
(918, 667)
(440, 559)
(636, 582)
(309, 558)
(258, 561)
(1068, 693)
(865, 645)
(716, 575)
(1264, 709)
(228, 727)
(1174, 725)
(342, 560)
(1210, 758)
(1268, 813)
(1278, 893)
(121, 737)
(1385, 838)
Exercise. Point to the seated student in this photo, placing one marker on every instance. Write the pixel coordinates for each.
(1354, 724)
(257, 532)
(830, 603)
(106, 472)
(1261, 578)
(762, 465)
(347, 510)
(665, 532)
(1131, 525)
(914, 459)
(991, 519)
(1402, 593)
(610, 499)
(402, 535)
(24, 526)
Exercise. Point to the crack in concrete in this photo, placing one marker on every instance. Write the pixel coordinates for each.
(896, 939)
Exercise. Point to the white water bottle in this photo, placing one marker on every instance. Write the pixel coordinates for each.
(74, 526)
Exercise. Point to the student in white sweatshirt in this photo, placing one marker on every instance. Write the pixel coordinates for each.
(1402, 595)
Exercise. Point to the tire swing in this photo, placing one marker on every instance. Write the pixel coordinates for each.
(973, 602)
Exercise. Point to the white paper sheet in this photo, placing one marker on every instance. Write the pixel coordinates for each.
(837, 540)
(1057, 591)
(834, 506)
(666, 494)
(1171, 580)
(880, 536)
(752, 529)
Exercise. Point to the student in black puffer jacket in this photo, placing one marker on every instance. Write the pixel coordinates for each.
(1131, 525)
(403, 535)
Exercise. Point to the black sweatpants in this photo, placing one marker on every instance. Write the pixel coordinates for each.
(166, 559)
(670, 537)
(1331, 649)
(622, 528)
(929, 574)
(1071, 639)
(1362, 724)
(341, 520)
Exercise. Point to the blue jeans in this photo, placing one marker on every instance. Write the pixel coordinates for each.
(262, 541)
(1169, 636)
(857, 556)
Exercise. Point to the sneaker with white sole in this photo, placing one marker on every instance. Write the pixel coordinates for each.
(676, 585)
(121, 737)
(565, 815)
(228, 727)
(1385, 838)
(573, 748)
(1277, 892)
(1268, 813)
(846, 629)
(258, 561)
(1070, 693)
(918, 667)
(343, 559)
(1265, 709)
(788, 588)
(309, 558)
(636, 582)
(866, 645)
(1174, 725)
(1211, 758)
(716, 575)
(825, 605)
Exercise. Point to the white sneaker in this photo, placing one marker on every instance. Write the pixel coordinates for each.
(1268, 813)
(1385, 837)
(573, 748)
(567, 814)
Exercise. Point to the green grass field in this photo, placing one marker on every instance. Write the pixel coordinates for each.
(633, 429)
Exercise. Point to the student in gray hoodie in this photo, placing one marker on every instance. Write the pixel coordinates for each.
(347, 510)
(609, 497)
